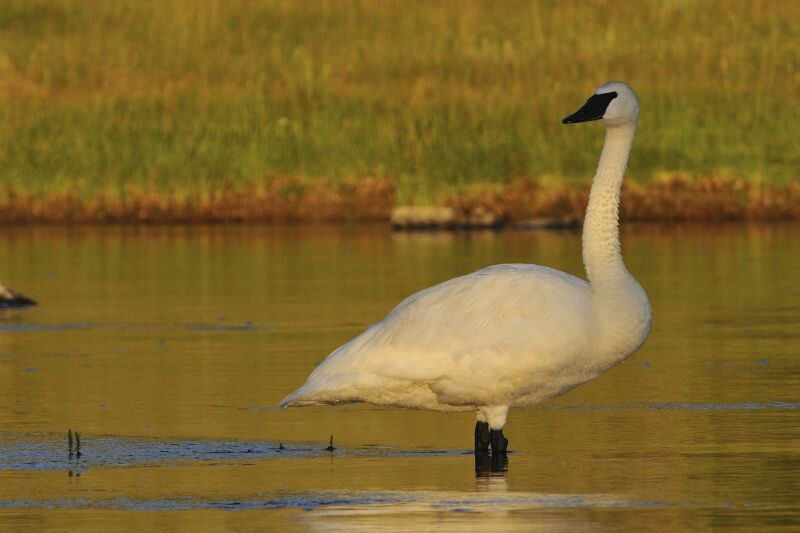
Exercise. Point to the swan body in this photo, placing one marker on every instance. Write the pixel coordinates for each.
(507, 335)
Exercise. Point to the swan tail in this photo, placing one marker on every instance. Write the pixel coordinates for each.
(328, 390)
(349, 388)
(300, 398)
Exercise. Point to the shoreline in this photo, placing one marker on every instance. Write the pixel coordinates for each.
(288, 201)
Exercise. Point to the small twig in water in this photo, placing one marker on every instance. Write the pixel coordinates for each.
(280, 446)
(330, 447)
(77, 444)
(69, 442)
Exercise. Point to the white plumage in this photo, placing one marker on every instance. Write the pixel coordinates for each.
(506, 335)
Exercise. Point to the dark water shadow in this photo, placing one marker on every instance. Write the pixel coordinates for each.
(21, 327)
(13, 326)
(21, 452)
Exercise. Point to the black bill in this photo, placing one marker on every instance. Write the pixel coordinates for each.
(594, 108)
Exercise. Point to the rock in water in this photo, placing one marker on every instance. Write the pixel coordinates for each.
(428, 217)
(549, 223)
(442, 217)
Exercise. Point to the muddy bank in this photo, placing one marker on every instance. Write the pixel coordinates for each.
(677, 198)
(281, 201)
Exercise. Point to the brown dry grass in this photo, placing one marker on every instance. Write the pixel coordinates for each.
(292, 200)
(715, 198)
(283, 200)
(675, 198)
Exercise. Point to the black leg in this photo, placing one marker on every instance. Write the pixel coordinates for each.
(482, 437)
(499, 442)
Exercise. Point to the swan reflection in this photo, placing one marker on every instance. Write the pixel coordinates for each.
(491, 465)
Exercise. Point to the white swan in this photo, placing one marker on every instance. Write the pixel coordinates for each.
(507, 335)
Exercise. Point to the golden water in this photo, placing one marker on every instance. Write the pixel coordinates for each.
(165, 347)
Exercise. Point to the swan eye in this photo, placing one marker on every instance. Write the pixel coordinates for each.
(594, 108)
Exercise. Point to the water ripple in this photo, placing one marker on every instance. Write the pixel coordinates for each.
(26, 328)
(679, 406)
(346, 502)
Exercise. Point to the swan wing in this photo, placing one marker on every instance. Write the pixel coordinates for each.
(460, 341)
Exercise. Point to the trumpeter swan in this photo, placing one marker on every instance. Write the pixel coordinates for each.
(507, 335)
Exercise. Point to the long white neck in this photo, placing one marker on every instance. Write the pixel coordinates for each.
(601, 249)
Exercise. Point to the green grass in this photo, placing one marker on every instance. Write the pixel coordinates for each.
(119, 95)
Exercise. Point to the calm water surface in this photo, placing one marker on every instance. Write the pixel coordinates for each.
(168, 348)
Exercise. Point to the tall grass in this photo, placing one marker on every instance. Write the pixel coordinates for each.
(185, 96)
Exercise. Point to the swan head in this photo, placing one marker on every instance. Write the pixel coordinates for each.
(614, 103)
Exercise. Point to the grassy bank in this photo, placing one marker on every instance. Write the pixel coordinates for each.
(107, 103)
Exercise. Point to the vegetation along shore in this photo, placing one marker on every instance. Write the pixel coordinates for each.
(277, 111)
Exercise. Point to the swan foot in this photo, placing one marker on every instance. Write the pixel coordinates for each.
(498, 441)
(482, 438)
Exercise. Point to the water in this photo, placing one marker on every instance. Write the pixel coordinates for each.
(168, 349)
